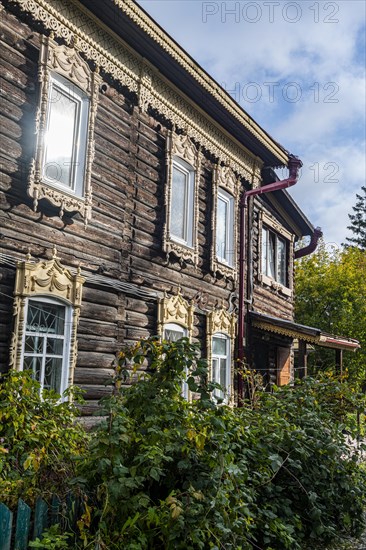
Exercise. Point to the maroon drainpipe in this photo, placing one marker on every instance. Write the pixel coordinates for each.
(294, 166)
(311, 246)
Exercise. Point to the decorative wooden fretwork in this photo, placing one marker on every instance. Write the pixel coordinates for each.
(67, 62)
(180, 146)
(74, 25)
(220, 321)
(177, 310)
(47, 278)
(267, 220)
(225, 178)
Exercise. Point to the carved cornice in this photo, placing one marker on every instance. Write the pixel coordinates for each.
(137, 15)
(225, 178)
(45, 278)
(268, 327)
(220, 320)
(175, 309)
(71, 22)
(181, 146)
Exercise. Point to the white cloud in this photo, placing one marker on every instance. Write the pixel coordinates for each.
(322, 53)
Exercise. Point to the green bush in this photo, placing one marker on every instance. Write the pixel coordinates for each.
(164, 473)
(39, 440)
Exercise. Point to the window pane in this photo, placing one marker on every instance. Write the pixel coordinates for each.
(271, 255)
(221, 228)
(173, 335)
(33, 344)
(54, 346)
(223, 371)
(61, 136)
(35, 365)
(42, 317)
(179, 204)
(264, 251)
(52, 374)
(219, 346)
(281, 261)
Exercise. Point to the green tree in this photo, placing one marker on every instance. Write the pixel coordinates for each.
(358, 222)
(330, 294)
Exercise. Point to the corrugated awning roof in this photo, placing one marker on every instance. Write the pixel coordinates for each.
(294, 330)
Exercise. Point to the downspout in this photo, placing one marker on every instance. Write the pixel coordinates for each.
(294, 166)
(311, 246)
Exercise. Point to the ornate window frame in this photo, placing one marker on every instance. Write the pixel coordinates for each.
(45, 279)
(175, 310)
(225, 179)
(220, 321)
(172, 311)
(268, 221)
(181, 148)
(60, 61)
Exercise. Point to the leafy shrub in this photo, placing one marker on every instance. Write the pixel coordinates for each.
(164, 473)
(39, 439)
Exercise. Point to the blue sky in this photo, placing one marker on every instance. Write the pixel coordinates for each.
(298, 68)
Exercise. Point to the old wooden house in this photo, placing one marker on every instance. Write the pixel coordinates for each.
(137, 198)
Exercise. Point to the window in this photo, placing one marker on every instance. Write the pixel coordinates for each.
(182, 203)
(225, 187)
(221, 365)
(225, 228)
(60, 170)
(180, 232)
(172, 333)
(65, 137)
(274, 256)
(47, 309)
(46, 342)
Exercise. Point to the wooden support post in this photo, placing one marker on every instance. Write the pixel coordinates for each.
(303, 359)
(339, 361)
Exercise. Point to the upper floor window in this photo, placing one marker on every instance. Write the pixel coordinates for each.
(65, 136)
(180, 234)
(274, 256)
(182, 203)
(225, 188)
(46, 342)
(61, 168)
(221, 365)
(225, 228)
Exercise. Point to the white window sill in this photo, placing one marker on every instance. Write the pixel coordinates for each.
(182, 243)
(222, 262)
(268, 281)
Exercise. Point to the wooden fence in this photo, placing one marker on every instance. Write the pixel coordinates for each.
(18, 528)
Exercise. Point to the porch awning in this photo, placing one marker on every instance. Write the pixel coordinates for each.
(310, 335)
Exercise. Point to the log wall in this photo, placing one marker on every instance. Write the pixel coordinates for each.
(123, 240)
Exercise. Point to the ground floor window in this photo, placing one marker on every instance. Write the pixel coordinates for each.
(221, 365)
(172, 333)
(46, 342)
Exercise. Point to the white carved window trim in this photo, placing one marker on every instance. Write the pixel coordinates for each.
(43, 337)
(225, 251)
(225, 184)
(46, 279)
(188, 203)
(268, 223)
(221, 322)
(184, 333)
(176, 311)
(182, 154)
(224, 394)
(63, 68)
